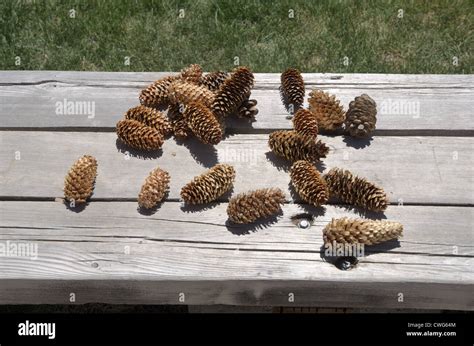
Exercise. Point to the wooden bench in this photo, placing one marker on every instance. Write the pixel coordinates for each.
(421, 154)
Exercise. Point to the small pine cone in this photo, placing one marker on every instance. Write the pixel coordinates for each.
(154, 188)
(181, 129)
(192, 74)
(156, 94)
(251, 206)
(150, 117)
(139, 136)
(203, 123)
(214, 80)
(368, 232)
(292, 87)
(181, 92)
(294, 147)
(305, 123)
(308, 183)
(361, 116)
(79, 181)
(210, 185)
(329, 113)
(233, 92)
(248, 109)
(355, 190)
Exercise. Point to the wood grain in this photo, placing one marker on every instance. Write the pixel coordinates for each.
(256, 264)
(406, 103)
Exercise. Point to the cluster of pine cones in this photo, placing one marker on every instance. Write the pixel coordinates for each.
(199, 104)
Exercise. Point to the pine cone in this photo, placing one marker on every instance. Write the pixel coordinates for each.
(356, 191)
(154, 188)
(329, 113)
(251, 206)
(368, 232)
(192, 74)
(248, 109)
(181, 129)
(139, 136)
(210, 185)
(308, 183)
(294, 147)
(79, 181)
(213, 80)
(156, 95)
(233, 92)
(203, 123)
(305, 123)
(181, 92)
(292, 87)
(361, 116)
(150, 117)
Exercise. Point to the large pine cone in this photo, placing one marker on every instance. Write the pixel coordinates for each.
(308, 183)
(156, 95)
(294, 147)
(139, 136)
(355, 190)
(305, 123)
(180, 128)
(248, 109)
(203, 123)
(192, 74)
(368, 232)
(233, 92)
(292, 87)
(327, 110)
(79, 181)
(251, 206)
(154, 188)
(181, 92)
(213, 80)
(210, 185)
(361, 116)
(150, 117)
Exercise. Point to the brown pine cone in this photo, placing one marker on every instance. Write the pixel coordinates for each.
(181, 129)
(233, 92)
(139, 136)
(150, 117)
(210, 185)
(154, 188)
(308, 183)
(361, 116)
(203, 123)
(181, 92)
(292, 87)
(79, 181)
(156, 95)
(327, 110)
(305, 123)
(213, 80)
(253, 205)
(356, 191)
(294, 147)
(248, 109)
(192, 74)
(368, 232)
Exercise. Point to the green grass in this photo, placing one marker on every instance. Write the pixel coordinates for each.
(259, 33)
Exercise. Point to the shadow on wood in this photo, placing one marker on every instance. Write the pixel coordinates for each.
(140, 154)
(357, 143)
(204, 154)
(243, 229)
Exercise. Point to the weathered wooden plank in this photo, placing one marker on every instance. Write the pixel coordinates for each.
(405, 104)
(421, 170)
(111, 253)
